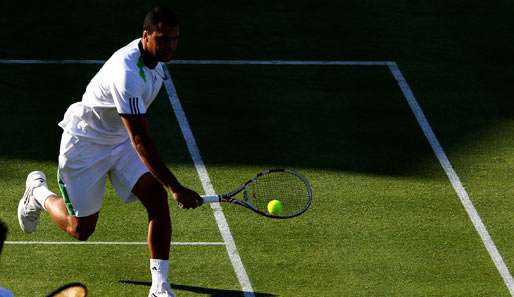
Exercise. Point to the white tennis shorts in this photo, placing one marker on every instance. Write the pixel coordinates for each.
(84, 166)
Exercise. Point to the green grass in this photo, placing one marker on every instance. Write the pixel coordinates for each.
(116, 270)
(385, 220)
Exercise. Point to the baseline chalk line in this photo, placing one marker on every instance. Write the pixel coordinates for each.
(210, 62)
(109, 243)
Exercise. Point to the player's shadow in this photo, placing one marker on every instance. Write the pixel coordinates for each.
(208, 291)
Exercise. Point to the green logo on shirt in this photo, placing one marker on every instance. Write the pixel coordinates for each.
(140, 65)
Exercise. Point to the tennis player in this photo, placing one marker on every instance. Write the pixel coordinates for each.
(107, 135)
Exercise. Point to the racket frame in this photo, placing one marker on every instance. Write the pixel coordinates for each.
(228, 197)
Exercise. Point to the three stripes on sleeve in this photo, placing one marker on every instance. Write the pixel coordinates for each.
(134, 105)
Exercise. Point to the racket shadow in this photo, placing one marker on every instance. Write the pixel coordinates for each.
(201, 290)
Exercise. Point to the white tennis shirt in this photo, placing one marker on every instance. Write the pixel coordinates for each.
(124, 85)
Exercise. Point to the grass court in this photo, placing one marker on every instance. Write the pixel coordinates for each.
(385, 219)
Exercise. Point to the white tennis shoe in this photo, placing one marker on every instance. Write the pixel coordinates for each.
(162, 290)
(28, 208)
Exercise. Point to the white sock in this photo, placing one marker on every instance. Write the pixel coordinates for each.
(159, 270)
(42, 193)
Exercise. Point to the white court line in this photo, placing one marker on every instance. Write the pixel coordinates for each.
(280, 62)
(109, 243)
(233, 254)
(49, 61)
(454, 178)
(213, 62)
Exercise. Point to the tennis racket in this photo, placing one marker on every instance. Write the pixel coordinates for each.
(285, 185)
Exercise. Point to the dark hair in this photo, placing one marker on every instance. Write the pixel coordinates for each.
(3, 234)
(158, 15)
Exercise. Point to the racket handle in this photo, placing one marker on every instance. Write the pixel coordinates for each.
(211, 198)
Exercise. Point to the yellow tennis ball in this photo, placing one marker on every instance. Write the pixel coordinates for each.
(275, 207)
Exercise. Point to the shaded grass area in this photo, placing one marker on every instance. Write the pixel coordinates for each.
(345, 118)
(452, 53)
(37, 103)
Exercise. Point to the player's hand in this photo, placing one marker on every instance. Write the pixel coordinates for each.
(187, 198)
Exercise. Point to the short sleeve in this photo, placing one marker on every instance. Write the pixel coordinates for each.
(127, 90)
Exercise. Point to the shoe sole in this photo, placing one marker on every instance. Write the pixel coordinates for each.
(23, 201)
(21, 206)
(33, 173)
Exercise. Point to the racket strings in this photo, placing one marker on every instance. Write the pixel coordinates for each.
(288, 188)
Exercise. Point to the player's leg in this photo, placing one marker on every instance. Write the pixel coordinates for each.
(83, 167)
(154, 198)
(78, 227)
(133, 182)
(38, 197)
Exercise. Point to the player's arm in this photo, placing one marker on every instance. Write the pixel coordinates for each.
(137, 127)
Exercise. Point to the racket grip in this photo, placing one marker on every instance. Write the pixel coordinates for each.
(211, 198)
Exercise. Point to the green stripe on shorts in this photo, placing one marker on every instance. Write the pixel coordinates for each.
(65, 196)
